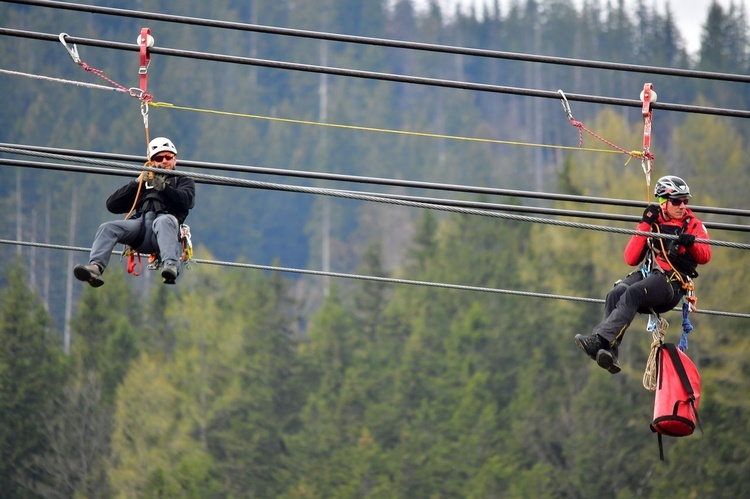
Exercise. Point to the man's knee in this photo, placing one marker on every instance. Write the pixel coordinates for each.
(166, 221)
(635, 296)
(616, 292)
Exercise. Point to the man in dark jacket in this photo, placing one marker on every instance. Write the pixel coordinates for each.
(160, 203)
(659, 287)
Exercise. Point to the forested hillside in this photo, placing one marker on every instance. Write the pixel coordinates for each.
(238, 382)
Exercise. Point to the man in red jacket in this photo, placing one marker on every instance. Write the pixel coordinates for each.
(666, 264)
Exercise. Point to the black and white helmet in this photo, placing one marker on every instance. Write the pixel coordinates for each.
(160, 144)
(671, 187)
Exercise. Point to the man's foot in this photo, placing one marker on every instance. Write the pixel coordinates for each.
(599, 350)
(590, 344)
(91, 274)
(606, 359)
(170, 272)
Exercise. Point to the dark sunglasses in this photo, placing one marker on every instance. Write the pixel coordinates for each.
(161, 157)
(679, 202)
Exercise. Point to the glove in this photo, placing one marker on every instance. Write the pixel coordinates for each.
(651, 215)
(159, 182)
(686, 240)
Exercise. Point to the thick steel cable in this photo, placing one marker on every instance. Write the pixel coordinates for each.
(388, 280)
(256, 184)
(418, 80)
(384, 196)
(382, 42)
(73, 155)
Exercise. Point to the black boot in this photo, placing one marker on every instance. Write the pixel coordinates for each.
(607, 359)
(91, 274)
(590, 344)
(170, 272)
(599, 350)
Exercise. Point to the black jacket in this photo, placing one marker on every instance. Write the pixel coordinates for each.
(177, 198)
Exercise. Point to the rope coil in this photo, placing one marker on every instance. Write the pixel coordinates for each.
(658, 329)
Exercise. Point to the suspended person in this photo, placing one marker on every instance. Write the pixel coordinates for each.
(162, 205)
(657, 286)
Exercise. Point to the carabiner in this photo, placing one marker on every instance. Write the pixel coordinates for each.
(136, 92)
(73, 53)
(565, 105)
(647, 167)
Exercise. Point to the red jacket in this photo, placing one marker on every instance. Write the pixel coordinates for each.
(701, 253)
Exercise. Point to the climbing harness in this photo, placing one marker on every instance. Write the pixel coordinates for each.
(657, 325)
(685, 280)
(134, 268)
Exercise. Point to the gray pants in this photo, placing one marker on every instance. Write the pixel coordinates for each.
(161, 236)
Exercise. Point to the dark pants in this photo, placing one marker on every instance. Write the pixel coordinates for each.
(633, 295)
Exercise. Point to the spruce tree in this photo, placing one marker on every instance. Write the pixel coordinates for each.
(32, 372)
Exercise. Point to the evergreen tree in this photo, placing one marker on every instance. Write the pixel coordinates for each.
(32, 373)
(78, 431)
(107, 332)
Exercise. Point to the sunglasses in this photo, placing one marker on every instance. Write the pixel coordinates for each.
(679, 202)
(161, 157)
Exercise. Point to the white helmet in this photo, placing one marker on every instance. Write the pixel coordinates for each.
(160, 144)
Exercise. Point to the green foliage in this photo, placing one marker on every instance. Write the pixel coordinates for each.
(107, 331)
(221, 387)
(77, 429)
(32, 373)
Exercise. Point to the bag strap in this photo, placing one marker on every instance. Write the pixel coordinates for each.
(677, 361)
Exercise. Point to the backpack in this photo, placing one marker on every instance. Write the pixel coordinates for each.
(677, 395)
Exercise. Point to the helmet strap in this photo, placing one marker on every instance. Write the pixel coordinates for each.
(664, 211)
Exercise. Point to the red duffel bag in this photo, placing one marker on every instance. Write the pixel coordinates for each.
(678, 388)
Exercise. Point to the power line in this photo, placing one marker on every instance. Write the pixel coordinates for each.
(373, 198)
(311, 68)
(387, 280)
(72, 155)
(429, 47)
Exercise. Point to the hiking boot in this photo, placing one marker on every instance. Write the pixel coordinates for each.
(606, 359)
(91, 274)
(590, 344)
(170, 272)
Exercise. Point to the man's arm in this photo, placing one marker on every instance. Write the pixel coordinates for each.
(701, 252)
(180, 193)
(121, 201)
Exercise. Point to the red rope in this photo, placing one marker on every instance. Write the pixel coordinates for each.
(582, 128)
(98, 72)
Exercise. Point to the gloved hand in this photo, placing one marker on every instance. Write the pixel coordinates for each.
(651, 214)
(159, 182)
(686, 240)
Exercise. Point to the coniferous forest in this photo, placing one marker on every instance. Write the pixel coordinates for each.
(242, 381)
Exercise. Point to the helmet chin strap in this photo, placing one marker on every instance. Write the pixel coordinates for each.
(664, 211)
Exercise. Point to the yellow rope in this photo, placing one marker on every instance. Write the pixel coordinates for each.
(381, 130)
